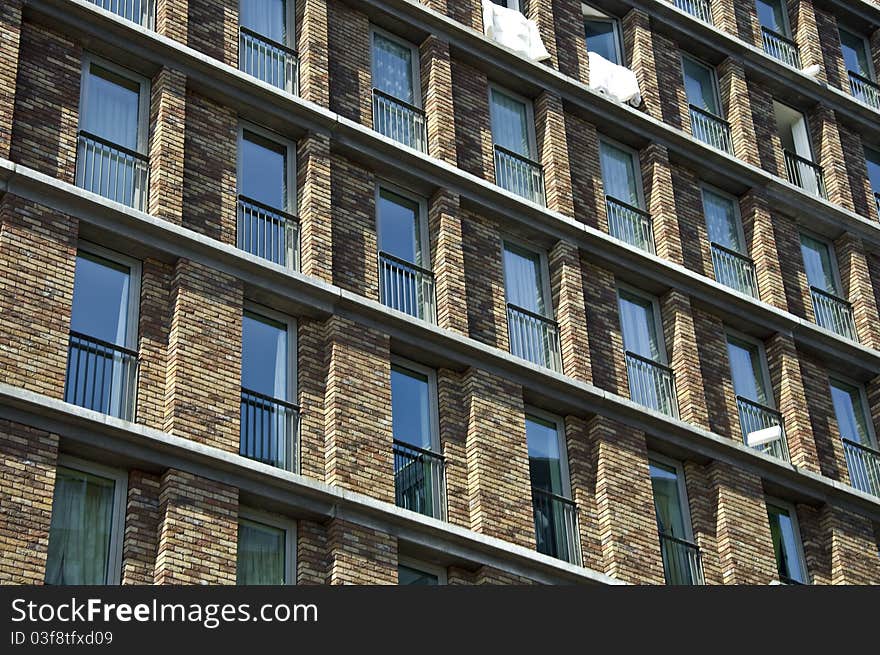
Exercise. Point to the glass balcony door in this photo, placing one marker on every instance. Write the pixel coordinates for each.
(831, 310)
(397, 96)
(513, 133)
(872, 162)
(262, 554)
(733, 267)
(773, 15)
(265, 44)
(681, 556)
(859, 442)
(621, 177)
(786, 543)
(602, 34)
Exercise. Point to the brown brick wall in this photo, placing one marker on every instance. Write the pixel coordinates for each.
(312, 48)
(313, 172)
(348, 41)
(453, 442)
(694, 237)
(212, 28)
(473, 129)
(353, 223)
(154, 322)
(826, 434)
(588, 193)
(603, 326)
(311, 369)
(139, 543)
(484, 279)
(736, 101)
(717, 382)
(684, 357)
(447, 260)
(660, 202)
(436, 77)
(853, 551)
(360, 555)
(167, 130)
(566, 279)
(828, 152)
(10, 25)
(857, 174)
(553, 152)
(702, 506)
(858, 288)
(311, 553)
(582, 469)
(760, 235)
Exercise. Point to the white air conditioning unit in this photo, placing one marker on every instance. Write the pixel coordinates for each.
(765, 436)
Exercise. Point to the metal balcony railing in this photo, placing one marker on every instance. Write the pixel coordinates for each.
(534, 337)
(833, 313)
(267, 60)
(630, 224)
(864, 90)
(651, 384)
(711, 129)
(734, 270)
(101, 376)
(519, 175)
(399, 120)
(754, 417)
(864, 467)
(697, 8)
(682, 563)
(269, 429)
(419, 480)
(406, 287)
(112, 171)
(268, 233)
(556, 526)
(142, 12)
(806, 174)
(781, 47)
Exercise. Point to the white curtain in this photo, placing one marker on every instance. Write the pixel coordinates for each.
(637, 323)
(112, 108)
(261, 553)
(745, 367)
(522, 274)
(392, 68)
(700, 86)
(667, 502)
(79, 536)
(510, 124)
(721, 220)
(266, 17)
(817, 261)
(618, 174)
(850, 414)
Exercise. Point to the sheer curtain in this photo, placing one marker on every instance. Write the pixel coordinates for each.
(112, 107)
(79, 535)
(261, 554)
(745, 367)
(392, 68)
(817, 261)
(509, 124)
(618, 174)
(721, 220)
(637, 323)
(522, 274)
(266, 17)
(850, 414)
(667, 502)
(700, 86)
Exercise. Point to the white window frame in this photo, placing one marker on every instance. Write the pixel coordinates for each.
(433, 408)
(866, 44)
(658, 318)
(424, 237)
(637, 165)
(530, 118)
(713, 73)
(590, 13)
(281, 523)
(543, 263)
(290, 156)
(807, 130)
(736, 210)
(559, 422)
(863, 399)
(290, 23)
(736, 335)
(88, 59)
(682, 489)
(832, 256)
(424, 567)
(786, 21)
(414, 59)
(120, 500)
(792, 513)
(291, 325)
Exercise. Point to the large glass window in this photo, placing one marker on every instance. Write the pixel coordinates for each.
(872, 161)
(747, 369)
(547, 468)
(393, 71)
(412, 575)
(639, 324)
(512, 127)
(263, 172)
(852, 419)
(266, 35)
(772, 14)
(262, 554)
(701, 86)
(819, 264)
(620, 174)
(264, 361)
(855, 54)
(786, 543)
(722, 220)
(266, 17)
(602, 33)
(524, 279)
(681, 557)
(111, 106)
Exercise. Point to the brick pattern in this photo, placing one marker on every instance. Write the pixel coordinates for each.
(473, 129)
(486, 309)
(583, 489)
(693, 234)
(436, 77)
(453, 443)
(348, 38)
(828, 151)
(853, 549)
(360, 555)
(717, 381)
(311, 553)
(826, 433)
(833, 65)
(353, 228)
(10, 26)
(805, 32)
(139, 543)
(553, 149)
(760, 235)
(311, 370)
(735, 100)
(447, 261)
(794, 274)
(172, 19)
(212, 28)
(588, 193)
(684, 357)
(857, 174)
(737, 17)
(312, 47)
(154, 322)
(315, 207)
(638, 47)
(566, 280)
(858, 288)
(570, 49)
(603, 326)
(660, 202)
(702, 507)
(767, 136)
(167, 130)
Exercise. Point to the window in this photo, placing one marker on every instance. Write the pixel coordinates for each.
(775, 32)
(786, 542)
(102, 357)
(266, 226)
(650, 379)
(857, 431)
(797, 150)
(266, 549)
(266, 35)
(831, 311)
(533, 333)
(397, 94)
(872, 162)
(111, 158)
(602, 33)
(681, 556)
(860, 68)
(405, 281)
(707, 118)
(513, 132)
(773, 15)
(733, 267)
(88, 514)
(269, 419)
(621, 176)
(412, 572)
(510, 4)
(555, 513)
(418, 464)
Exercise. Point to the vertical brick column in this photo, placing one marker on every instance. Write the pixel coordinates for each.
(311, 370)
(858, 288)
(739, 18)
(684, 358)
(467, 12)
(360, 555)
(787, 381)
(857, 172)
(638, 45)
(447, 260)
(769, 143)
(625, 503)
(315, 208)
(312, 41)
(853, 548)
(10, 26)
(139, 543)
(670, 80)
(717, 381)
(453, 443)
(203, 394)
(817, 555)
(198, 530)
(436, 69)
(172, 19)
(745, 548)
(311, 553)
(735, 99)
(826, 433)
(541, 11)
(829, 153)
(553, 149)
(829, 40)
(603, 325)
(37, 265)
(212, 28)
(761, 243)
(566, 280)
(348, 38)
(484, 278)
(353, 228)
(472, 124)
(806, 34)
(587, 189)
(701, 504)
(794, 274)
(154, 319)
(27, 481)
(499, 489)
(583, 489)
(660, 200)
(357, 410)
(167, 129)
(573, 58)
(688, 199)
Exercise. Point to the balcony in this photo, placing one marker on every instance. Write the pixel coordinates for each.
(268, 233)
(112, 171)
(710, 129)
(419, 480)
(556, 526)
(269, 428)
(406, 287)
(805, 174)
(519, 175)
(142, 12)
(534, 338)
(267, 60)
(781, 47)
(833, 313)
(734, 270)
(101, 376)
(700, 9)
(399, 120)
(877, 203)
(864, 90)
(651, 384)
(864, 467)
(682, 564)
(754, 418)
(630, 224)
